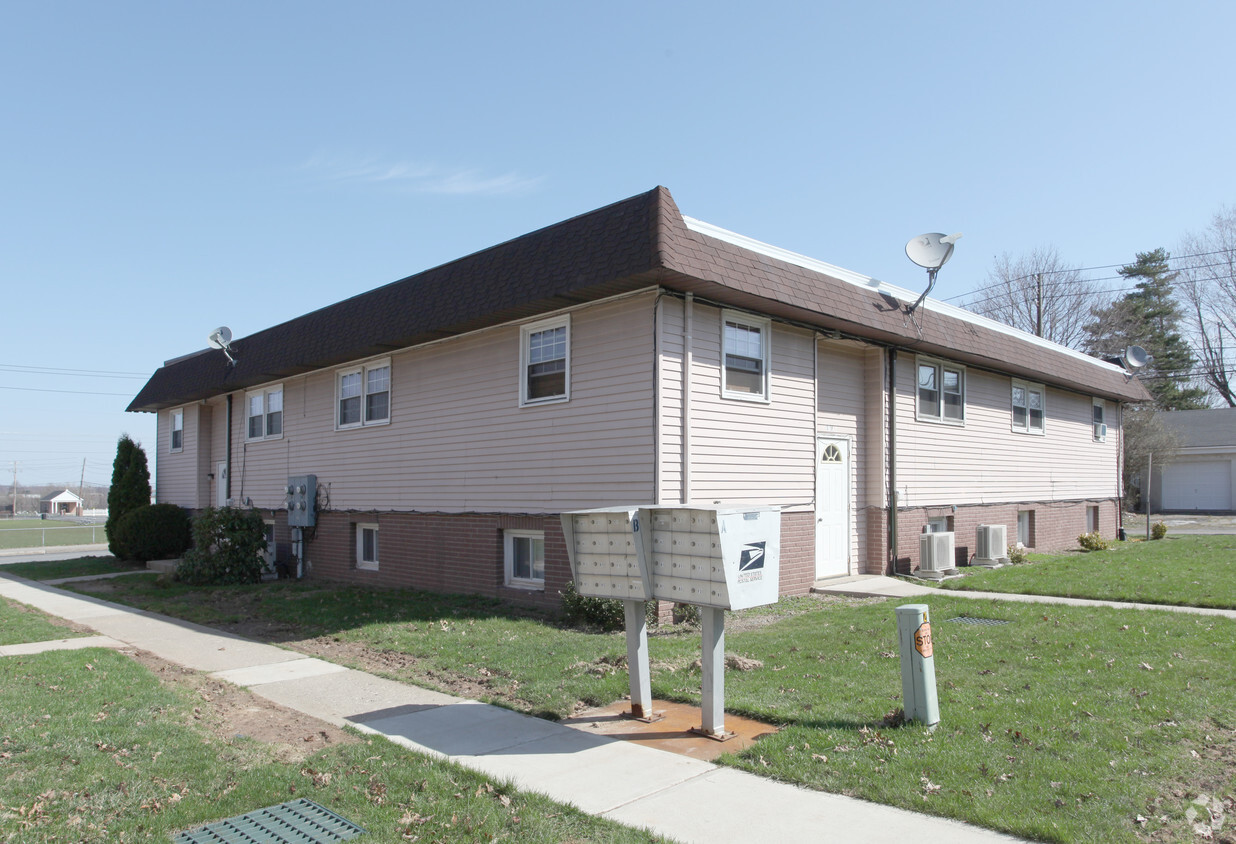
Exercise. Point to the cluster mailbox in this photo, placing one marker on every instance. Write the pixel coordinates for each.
(715, 558)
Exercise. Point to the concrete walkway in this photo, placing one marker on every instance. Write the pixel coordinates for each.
(673, 795)
(879, 586)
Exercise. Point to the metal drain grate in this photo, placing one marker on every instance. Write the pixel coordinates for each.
(969, 619)
(295, 822)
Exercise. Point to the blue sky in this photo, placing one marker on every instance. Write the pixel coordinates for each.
(166, 168)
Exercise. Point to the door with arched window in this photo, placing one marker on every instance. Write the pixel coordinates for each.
(832, 507)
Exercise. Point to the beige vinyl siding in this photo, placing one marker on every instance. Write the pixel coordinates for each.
(985, 461)
(176, 473)
(458, 440)
(746, 451)
(670, 344)
(842, 409)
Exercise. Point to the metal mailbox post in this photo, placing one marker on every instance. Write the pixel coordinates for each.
(714, 558)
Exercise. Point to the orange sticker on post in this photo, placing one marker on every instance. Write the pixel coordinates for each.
(922, 640)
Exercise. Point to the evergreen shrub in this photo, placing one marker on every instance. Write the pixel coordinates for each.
(228, 543)
(130, 488)
(153, 532)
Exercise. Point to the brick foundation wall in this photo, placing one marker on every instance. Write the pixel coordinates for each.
(438, 553)
(1055, 526)
(797, 553)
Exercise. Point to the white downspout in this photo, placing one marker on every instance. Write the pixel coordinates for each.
(659, 391)
(686, 397)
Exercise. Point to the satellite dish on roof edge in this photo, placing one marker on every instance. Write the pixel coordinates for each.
(221, 338)
(930, 251)
(1134, 358)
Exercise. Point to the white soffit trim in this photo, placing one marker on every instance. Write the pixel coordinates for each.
(876, 286)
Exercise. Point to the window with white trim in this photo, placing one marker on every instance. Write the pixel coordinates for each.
(1099, 416)
(1029, 407)
(264, 414)
(745, 344)
(367, 547)
(524, 554)
(545, 361)
(178, 430)
(941, 392)
(363, 395)
(939, 524)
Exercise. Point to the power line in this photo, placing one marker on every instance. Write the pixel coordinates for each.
(56, 370)
(73, 392)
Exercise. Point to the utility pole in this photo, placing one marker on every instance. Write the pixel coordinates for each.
(1146, 492)
(14, 489)
(1038, 321)
(80, 486)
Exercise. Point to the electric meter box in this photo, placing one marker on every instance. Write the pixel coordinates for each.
(723, 558)
(302, 500)
(609, 553)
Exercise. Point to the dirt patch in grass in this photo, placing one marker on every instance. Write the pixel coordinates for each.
(230, 711)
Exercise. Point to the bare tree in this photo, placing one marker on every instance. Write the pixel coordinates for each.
(1208, 286)
(1144, 434)
(1039, 293)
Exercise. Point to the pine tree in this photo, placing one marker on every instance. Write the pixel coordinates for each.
(130, 487)
(1149, 316)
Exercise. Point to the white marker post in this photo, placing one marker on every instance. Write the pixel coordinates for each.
(918, 665)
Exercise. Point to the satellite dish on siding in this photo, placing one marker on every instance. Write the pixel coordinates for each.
(1134, 358)
(221, 338)
(932, 250)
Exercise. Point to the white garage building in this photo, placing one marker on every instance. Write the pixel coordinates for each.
(1203, 474)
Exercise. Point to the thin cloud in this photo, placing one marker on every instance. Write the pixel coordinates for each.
(418, 178)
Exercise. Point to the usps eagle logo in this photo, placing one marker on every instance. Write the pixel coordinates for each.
(752, 557)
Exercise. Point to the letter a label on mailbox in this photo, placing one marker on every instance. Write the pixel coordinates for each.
(922, 640)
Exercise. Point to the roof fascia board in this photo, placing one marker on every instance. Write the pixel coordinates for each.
(876, 286)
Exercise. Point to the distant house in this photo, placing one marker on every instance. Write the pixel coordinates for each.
(629, 356)
(1202, 475)
(61, 504)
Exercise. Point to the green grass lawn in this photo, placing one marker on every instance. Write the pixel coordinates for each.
(19, 623)
(1195, 571)
(94, 749)
(77, 567)
(36, 533)
(1067, 724)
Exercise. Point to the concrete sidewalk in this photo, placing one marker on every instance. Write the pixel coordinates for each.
(673, 795)
(880, 586)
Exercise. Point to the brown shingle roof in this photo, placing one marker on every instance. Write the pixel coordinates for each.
(639, 242)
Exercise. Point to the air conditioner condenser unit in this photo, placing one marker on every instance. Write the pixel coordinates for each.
(991, 546)
(935, 556)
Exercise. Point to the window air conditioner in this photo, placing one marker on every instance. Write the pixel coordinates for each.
(991, 546)
(935, 555)
(1100, 431)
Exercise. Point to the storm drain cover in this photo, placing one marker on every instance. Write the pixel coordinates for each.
(969, 619)
(295, 822)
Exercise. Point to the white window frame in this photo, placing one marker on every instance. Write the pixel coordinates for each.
(1027, 387)
(364, 370)
(751, 323)
(939, 524)
(509, 537)
(361, 562)
(1098, 419)
(264, 395)
(176, 425)
(526, 334)
(940, 368)
(1025, 528)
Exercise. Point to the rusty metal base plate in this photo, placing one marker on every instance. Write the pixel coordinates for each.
(674, 732)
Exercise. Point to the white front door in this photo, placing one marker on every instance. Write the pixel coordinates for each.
(832, 507)
(221, 485)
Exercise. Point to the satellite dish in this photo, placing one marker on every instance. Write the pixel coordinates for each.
(1135, 358)
(220, 337)
(932, 250)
